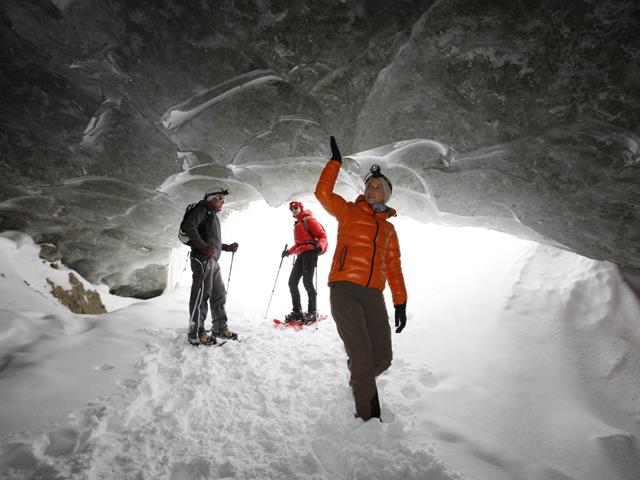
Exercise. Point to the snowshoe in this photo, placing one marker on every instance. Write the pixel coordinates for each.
(309, 317)
(202, 338)
(294, 324)
(225, 334)
(294, 316)
(299, 324)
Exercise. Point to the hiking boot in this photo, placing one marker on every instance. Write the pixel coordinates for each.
(226, 334)
(192, 338)
(198, 338)
(310, 317)
(294, 316)
(204, 337)
(375, 410)
(375, 407)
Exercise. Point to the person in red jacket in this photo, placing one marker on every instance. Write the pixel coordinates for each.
(367, 257)
(310, 241)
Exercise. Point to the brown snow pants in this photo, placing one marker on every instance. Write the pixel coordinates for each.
(363, 325)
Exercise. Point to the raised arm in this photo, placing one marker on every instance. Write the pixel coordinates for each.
(332, 202)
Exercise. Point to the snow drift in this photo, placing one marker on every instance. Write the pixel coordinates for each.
(519, 361)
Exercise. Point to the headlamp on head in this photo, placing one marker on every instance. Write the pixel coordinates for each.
(374, 172)
(215, 193)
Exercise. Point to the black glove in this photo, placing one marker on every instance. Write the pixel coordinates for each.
(285, 253)
(401, 316)
(233, 247)
(335, 152)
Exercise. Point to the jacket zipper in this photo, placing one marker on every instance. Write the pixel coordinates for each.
(343, 258)
(373, 256)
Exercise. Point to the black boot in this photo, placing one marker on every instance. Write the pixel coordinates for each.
(375, 407)
(309, 317)
(294, 316)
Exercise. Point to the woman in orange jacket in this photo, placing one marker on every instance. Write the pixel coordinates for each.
(310, 240)
(367, 256)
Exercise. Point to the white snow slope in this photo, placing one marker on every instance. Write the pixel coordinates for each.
(519, 361)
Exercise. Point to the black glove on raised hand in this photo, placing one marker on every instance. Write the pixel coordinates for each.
(401, 316)
(335, 152)
(232, 247)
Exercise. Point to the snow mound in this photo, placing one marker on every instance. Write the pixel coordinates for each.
(519, 361)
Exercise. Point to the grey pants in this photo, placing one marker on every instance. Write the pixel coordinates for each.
(207, 290)
(363, 325)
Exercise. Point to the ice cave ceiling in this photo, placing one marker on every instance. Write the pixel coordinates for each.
(518, 115)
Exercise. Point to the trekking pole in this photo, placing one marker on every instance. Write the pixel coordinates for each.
(274, 283)
(230, 268)
(316, 287)
(196, 304)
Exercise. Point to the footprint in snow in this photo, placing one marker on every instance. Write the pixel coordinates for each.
(428, 380)
(410, 392)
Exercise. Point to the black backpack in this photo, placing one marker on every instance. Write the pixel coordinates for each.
(182, 236)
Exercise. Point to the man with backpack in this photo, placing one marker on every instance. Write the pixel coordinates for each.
(310, 241)
(200, 229)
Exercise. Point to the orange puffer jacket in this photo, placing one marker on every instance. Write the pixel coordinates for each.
(306, 240)
(367, 252)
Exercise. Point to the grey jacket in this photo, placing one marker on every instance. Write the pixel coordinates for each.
(202, 226)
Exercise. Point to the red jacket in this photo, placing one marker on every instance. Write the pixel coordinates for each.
(367, 252)
(306, 240)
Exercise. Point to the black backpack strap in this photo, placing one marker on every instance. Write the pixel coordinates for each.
(306, 226)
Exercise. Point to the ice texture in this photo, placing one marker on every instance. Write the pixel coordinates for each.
(521, 118)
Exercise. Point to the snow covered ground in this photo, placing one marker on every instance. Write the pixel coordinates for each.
(519, 361)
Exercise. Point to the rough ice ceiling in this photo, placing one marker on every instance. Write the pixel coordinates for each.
(521, 116)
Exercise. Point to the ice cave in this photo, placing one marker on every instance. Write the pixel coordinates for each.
(511, 132)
